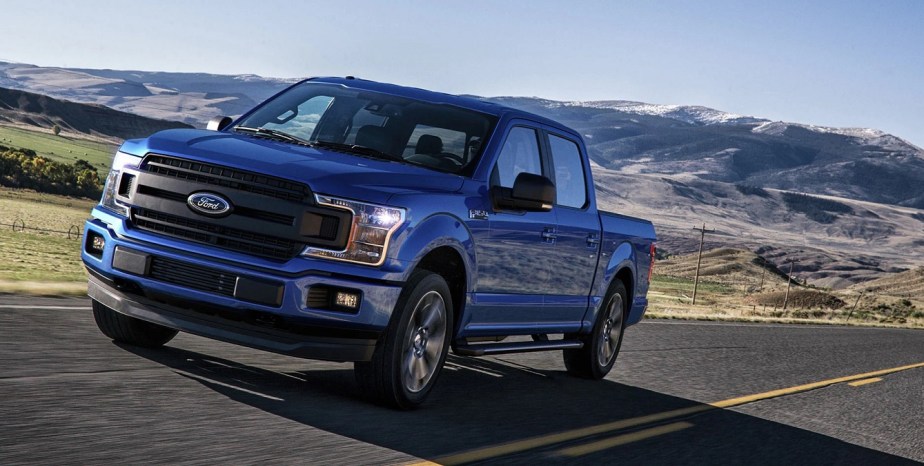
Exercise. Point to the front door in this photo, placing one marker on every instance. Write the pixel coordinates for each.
(514, 265)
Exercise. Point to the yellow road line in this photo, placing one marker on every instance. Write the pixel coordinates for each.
(518, 446)
(551, 439)
(809, 386)
(623, 439)
(864, 382)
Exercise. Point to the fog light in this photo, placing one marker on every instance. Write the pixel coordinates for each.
(95, 244)
(347, 300)
(331, 298)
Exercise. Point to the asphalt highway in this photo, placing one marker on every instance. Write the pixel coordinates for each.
(681, 393)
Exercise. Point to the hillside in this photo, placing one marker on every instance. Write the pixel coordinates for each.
(908, 284)
(737, 268)
(191, 98)
(867, 242)
(26, 108)
(633, 137)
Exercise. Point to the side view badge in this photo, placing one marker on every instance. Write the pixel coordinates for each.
(475, 214)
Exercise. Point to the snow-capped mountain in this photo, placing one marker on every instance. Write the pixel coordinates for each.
(692, 114)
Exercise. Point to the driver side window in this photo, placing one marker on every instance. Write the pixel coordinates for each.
(520, 154)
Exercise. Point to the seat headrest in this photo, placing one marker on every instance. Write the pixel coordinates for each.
(429, 144)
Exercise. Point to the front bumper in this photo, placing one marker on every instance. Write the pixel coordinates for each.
(282, 323)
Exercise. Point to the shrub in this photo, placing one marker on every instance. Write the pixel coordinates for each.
(24, 169)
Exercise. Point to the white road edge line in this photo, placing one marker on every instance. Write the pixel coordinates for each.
(234, 387)
(474, 369)
(718, 323)
(44, 308)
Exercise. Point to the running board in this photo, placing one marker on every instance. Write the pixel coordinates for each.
(516, 347)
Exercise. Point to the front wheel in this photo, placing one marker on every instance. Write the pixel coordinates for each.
(408, 358)
(126, 329)
(601, 347)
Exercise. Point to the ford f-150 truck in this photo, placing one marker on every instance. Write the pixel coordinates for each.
(349, 220)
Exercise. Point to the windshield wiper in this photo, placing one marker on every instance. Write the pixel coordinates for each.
(275, 134)
(356, 149)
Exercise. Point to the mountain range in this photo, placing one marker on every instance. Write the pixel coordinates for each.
(30, 109)
(846, 202)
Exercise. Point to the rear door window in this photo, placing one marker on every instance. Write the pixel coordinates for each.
(570, 185)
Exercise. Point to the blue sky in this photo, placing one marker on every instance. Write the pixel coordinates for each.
(833, 63)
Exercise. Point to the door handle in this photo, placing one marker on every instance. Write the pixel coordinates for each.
(593, 241)
(548, 235)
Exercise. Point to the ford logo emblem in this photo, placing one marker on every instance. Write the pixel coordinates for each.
(209, 204)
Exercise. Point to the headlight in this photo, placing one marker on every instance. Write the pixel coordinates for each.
(119, 162)
(370, 232)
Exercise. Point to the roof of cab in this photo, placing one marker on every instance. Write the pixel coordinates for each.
(471, 103)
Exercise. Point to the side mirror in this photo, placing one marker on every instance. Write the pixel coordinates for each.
(530, 192)
(218, 123)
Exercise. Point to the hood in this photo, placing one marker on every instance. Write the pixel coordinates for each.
(327, 172)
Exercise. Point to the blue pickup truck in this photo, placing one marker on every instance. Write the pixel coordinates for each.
(350, 220)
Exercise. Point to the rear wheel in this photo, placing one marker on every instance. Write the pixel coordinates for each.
(125, 329)
(601, 347)
(408, 358)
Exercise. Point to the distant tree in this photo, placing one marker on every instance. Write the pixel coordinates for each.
(25, 169)
(56, 129)
(752, 190)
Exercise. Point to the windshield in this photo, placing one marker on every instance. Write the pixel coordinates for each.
(440, 137)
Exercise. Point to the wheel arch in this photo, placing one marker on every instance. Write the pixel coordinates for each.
(443, 244)
(621, 266)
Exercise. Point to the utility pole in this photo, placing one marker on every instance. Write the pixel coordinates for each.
(788, 283)
(702, 239)
(854, 308)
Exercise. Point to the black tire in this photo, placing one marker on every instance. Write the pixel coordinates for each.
(601, 347)
(125, 329)
(409, 356)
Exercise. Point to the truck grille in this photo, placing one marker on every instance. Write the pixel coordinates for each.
(223, 237)
(227, 177)
(270, 217)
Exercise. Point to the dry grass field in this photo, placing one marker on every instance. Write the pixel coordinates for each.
(43, 263)
(737, 284)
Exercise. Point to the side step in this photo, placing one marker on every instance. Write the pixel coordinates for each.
(515, 347)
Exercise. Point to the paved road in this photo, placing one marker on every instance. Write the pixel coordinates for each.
(69, 395)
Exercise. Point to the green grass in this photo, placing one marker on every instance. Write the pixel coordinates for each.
(39, 210)
(41, 263)
(60, 148)
(39, 258)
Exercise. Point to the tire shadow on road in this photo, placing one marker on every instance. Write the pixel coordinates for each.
(496, 411)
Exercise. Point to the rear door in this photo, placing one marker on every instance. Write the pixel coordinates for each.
(577, 242)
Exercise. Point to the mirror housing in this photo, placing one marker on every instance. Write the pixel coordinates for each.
(218, 123)
(530, 192)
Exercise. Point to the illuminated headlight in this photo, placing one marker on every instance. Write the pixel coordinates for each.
(369, 234)
(121, 161)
